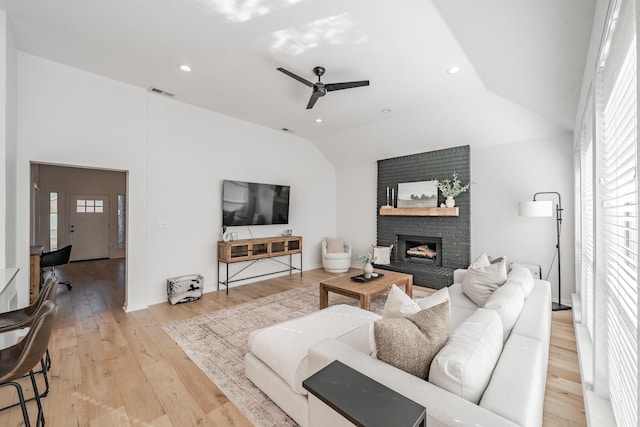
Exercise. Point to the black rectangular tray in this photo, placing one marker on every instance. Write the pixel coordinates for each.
(361, 278)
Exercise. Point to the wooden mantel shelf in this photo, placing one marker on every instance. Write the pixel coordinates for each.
(388, 210)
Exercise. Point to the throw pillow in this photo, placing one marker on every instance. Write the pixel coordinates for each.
(399, 304)
(493, 260)
(412, 342)
(480, 282)
(481, 261)
(382, 254)
(434, 299)
(335, 245)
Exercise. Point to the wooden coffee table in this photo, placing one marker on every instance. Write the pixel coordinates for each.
(364, 291)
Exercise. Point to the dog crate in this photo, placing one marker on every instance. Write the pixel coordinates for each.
(184, 288)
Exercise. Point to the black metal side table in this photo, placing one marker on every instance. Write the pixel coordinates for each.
(362, 400)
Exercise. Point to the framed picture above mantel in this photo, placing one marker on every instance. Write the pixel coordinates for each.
(420, 194)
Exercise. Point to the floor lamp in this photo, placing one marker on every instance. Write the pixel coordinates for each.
(544, 208)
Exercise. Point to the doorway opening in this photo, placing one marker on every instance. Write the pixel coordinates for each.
(83, 207)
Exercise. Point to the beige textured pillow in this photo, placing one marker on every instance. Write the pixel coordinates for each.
(480, 282)
(411, 343)
(335, 245)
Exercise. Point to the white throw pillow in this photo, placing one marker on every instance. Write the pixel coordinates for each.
(434, 299)
(399, 304)
(465, 364)
(480, 282)
(481, 261)
(382, 254)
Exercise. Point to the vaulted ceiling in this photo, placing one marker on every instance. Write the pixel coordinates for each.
(521, 63)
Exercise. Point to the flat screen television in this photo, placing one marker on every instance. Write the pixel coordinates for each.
(250, 203)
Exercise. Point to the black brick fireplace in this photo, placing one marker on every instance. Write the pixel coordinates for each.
(448, 237)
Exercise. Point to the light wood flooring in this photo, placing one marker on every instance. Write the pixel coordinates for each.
(112, 368)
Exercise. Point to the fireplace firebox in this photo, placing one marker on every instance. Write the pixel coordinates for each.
(423, 249)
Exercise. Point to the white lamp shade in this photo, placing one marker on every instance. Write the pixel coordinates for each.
(536, 208)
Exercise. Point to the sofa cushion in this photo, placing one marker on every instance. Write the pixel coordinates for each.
(507, 301)
(535, 317)
(480, 282)
(523, 277)
(399, 304)
(516, 390)
(461, 306)
(410, 343)
(335, 245)
(284, 347)
(465, 364)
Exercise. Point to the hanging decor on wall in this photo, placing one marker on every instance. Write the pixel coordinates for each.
(421, 194)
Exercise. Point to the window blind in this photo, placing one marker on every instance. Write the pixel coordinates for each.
(619, 210)
(587, 230)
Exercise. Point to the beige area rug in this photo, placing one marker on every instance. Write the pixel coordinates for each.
(217, 343)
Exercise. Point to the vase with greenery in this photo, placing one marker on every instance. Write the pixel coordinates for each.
(451, 189)
(367, 269)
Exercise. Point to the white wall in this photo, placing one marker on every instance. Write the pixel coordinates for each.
(502, 175)
(357, 204)
(505, 174)
(69, 117)
(8, 143)
(191, 151)
(176, 157)
(12, 147)
(3, 135)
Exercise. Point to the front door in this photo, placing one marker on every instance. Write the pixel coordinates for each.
(89, 226)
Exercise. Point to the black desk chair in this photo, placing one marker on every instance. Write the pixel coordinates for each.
(54, 258)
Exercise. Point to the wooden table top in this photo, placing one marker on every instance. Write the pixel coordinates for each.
(372, 286)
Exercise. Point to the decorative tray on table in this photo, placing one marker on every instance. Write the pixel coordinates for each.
(361, 278)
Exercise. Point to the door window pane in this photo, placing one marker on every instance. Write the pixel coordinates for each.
(121, 221)
(53, 221)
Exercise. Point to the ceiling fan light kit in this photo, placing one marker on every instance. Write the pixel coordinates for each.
(320, 89)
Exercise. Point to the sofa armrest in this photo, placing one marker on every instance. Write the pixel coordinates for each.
(443, 407)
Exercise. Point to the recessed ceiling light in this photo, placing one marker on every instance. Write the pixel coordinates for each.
(453, 70)
(185, 68)
(318, 120)
(385, 110)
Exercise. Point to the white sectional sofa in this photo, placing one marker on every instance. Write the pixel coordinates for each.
(492, 371)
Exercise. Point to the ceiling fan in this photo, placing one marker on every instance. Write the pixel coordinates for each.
(321, 89)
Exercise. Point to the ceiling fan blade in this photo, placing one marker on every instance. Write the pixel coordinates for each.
(346, 85)
(313, 99)
(298, 78)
